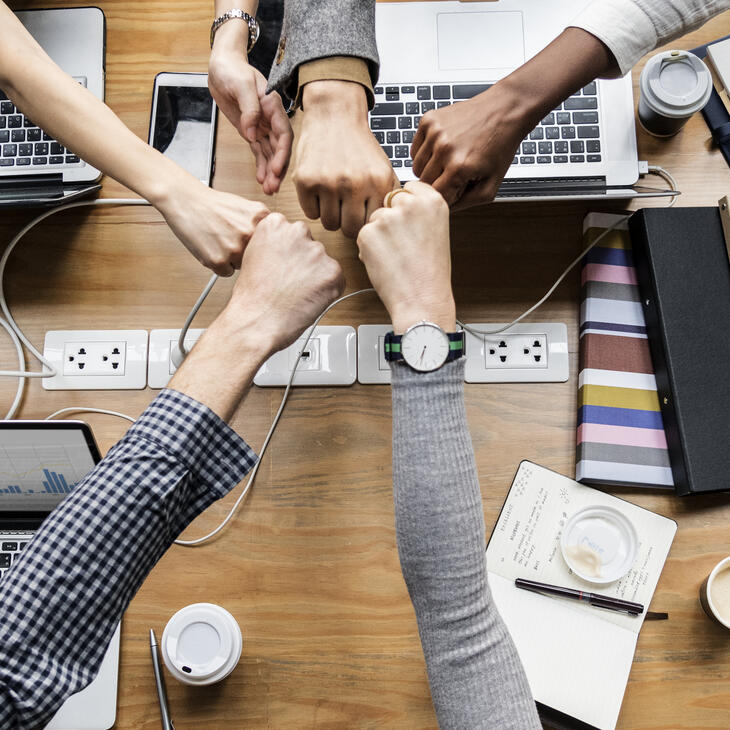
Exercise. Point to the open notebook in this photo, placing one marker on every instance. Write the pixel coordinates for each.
(577, 657)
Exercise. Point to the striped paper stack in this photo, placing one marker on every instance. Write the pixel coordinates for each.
(620, 433)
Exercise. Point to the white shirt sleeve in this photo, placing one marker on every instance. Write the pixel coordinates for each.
(632, 28)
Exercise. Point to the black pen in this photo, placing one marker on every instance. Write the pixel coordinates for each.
(594, 599)
(160, 682)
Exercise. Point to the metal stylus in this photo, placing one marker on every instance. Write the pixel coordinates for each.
(160, 682)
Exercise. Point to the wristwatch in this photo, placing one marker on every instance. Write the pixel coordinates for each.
(424, 346)
(253, 26)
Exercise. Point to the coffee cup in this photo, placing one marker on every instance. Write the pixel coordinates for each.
(201, 644)
(715, 594)
(673, 86)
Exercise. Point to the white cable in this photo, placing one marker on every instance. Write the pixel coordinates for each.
(478, 332)
(86, 409)
(668, 177)
(21, 365)
(182, 352)
(254, 471)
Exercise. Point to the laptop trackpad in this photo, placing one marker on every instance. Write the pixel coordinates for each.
(489, 41)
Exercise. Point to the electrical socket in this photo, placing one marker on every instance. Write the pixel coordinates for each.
(372, 367)
(526, 353)
(96, 359)
(161, 367)
(329, 359)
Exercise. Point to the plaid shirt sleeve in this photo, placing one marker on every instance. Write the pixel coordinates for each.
(61, 602)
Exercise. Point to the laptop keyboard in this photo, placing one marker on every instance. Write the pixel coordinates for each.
(570, 134)
(11, 546)
(25, 146)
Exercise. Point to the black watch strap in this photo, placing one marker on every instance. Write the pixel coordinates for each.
(393, 352)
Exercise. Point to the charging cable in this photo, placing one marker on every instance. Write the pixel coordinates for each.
(88, 409)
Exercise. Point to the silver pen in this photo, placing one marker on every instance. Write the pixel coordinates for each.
(160, 682)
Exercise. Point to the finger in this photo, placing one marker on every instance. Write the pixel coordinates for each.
(354, 216)
(450, 185)
(260, 158)
(222, 269)
(329, 209)
(418, 140)
(309, 201)
(479, 194)
(248, 102)
(423, 156)
(282, 143)
(432, 170)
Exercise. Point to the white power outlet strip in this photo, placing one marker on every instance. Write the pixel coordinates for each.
(372, 367)
(329, 359)
(161, 366)
(525, 353)
(96, 359)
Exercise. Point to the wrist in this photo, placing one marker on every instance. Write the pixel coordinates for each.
(329, 97)
(443, 314)
(170, 185)
(231, 37)
(242, 340)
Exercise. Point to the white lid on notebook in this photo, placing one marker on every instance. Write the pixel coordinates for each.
(599, 544)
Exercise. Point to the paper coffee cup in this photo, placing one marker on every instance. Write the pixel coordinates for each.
(201, 644)
(673, 86)
(715, 594)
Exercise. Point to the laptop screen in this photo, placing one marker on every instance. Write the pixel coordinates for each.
(41, 462)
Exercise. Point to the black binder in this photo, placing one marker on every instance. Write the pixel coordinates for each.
(684, 276)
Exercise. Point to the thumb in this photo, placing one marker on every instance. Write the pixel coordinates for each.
(248, 103)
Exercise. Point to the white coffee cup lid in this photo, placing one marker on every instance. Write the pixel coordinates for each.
(675, 83)
(599, 544)
(201, 644)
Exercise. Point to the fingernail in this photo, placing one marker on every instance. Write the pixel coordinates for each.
(251, 134)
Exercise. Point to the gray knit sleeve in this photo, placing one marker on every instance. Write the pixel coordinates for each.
(475, 674)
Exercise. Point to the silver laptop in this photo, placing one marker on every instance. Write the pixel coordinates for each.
(36, 169)
(40, 463)
(437, 53)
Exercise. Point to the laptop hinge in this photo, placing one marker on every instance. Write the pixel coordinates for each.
(555, 184)
(22, 186)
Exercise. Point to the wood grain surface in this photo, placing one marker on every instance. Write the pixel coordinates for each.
(309, 566)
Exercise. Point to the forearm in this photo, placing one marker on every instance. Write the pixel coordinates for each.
(476, 678)
(234, 33)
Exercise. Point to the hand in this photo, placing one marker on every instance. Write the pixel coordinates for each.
(405, 250)
(286, 280)
(214, 226)
(466, 149)
(341, 173)
(240, 92)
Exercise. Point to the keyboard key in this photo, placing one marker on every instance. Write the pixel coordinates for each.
(3, 122)
(408, 89)
(408, 136)
(55, 160)
(593, 158)
(18, 135)
(7, 161)
(405, 123)
(47, 137)
(28, 123)
(4, 135)
(409, 163)
(548, 120)
(396, 163)
(545, 148)
(413, 107)
(515, 160)
(57, 149)
(380, 136)
(590, 89)
(25, 149)
(392, 137)
(378, 90)
(22, 545)
(560, 159)
(537, 133)
(40, 160)
(552, 132)
(585, 117)
(529, 148)
(466, 91)
(441, 92)
(543, 159)
(22, 161)
(376, 124)
(563, 118)
(442, 104)
(588, 133)
(387, 109)
(567, 132)
(423, 92)
(392, 97)
(9, 547)
(10, 150)
(561, 148)
(581, 102)
(593, 145)
(4, 560)
(6, 107)
(427, 106)
(401, 152)
(388, 150)
(391, 89)
(416, 122)
(577, 146)
(15, 121)
(527, 160)
(577, 158)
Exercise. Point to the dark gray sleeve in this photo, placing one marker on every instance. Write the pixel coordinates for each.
(476, 677)
(315, 29)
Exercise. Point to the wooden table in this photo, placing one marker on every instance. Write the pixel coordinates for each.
(309, 566)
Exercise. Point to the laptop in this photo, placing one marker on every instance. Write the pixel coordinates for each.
(433, 54)
(40, 463)
(36, 169)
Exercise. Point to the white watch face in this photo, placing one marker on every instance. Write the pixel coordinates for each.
(425, 347)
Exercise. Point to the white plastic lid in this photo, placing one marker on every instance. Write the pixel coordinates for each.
(675, 83)
(201, 644)
(599, 544)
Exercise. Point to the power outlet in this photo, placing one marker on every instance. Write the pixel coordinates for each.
(162, 342)
(329, 358)
(525, 353)
(372, 367)
(96, 359)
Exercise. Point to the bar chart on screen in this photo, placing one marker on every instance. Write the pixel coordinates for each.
(47, 469)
